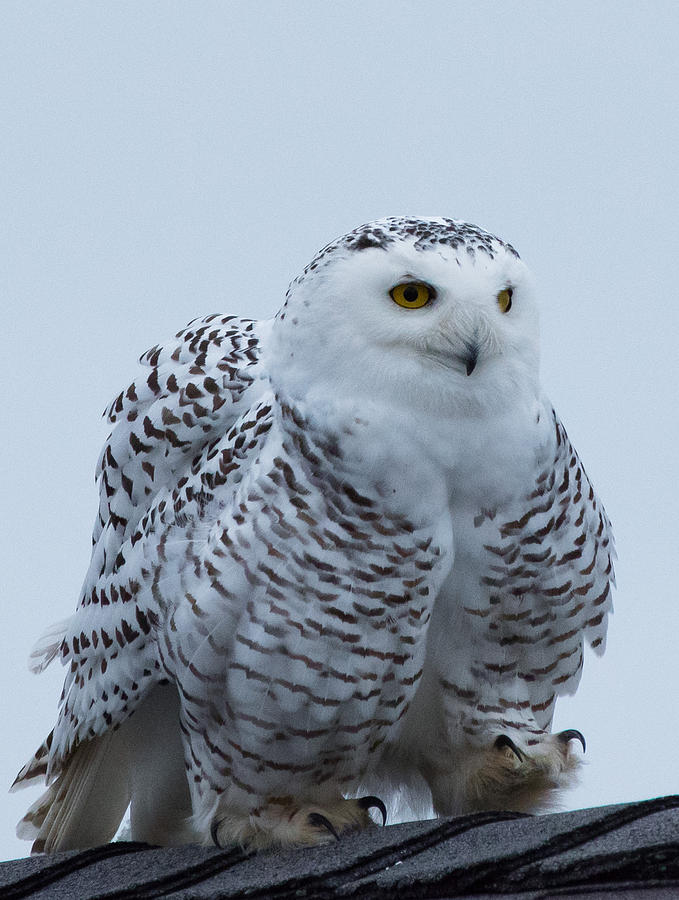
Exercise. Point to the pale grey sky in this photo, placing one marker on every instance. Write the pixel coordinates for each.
(163, 160)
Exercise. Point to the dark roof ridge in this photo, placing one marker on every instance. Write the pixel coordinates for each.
(600, 852)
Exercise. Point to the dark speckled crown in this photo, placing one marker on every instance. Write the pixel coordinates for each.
(424, 234)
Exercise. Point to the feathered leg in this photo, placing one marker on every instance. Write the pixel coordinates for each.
(160, 808)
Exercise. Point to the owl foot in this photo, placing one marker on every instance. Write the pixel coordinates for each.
(526, 777)
(278, 825)
(523, 773)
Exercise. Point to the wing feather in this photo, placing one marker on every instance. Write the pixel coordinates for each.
(535, 587)
(549, 578)
(198, 386)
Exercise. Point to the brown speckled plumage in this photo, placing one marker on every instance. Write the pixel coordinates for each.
(330, 552)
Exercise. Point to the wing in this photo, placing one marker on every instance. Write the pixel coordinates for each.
(197, 387)
(539, 589)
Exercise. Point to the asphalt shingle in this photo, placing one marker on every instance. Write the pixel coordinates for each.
(630, 850)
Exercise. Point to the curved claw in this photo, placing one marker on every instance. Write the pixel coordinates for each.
(319, 821)
(503, 741)
(371, 802)
(572, 734)
(214, 828)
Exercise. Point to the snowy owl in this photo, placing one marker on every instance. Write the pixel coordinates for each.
(341, 555)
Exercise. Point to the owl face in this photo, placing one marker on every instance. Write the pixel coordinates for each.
(448, 320)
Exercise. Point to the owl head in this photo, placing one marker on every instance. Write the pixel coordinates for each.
(430, 312)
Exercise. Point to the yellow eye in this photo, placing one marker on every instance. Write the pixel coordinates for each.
(504, 300)
(412, 294)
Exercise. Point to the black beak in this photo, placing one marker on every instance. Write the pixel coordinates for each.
(472, 356)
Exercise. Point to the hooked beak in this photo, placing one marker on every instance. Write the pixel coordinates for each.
(459, 353)
(471, 357)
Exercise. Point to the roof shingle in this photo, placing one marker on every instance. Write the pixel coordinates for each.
(630, 850)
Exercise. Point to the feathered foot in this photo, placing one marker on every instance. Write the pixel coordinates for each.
(524, 777)
(512, 773)
(289, 825)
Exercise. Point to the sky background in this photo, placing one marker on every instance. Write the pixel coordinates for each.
(162, 160)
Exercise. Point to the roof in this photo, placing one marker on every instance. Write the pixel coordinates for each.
(630, 851)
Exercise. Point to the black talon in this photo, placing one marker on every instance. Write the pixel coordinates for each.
(503, 741)
(572, 734)
(214, 828)
(321, 822)
(370, 802)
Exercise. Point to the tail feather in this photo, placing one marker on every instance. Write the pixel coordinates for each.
(140, 764)
(47, 646)
(36, 768)
(85, 804)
